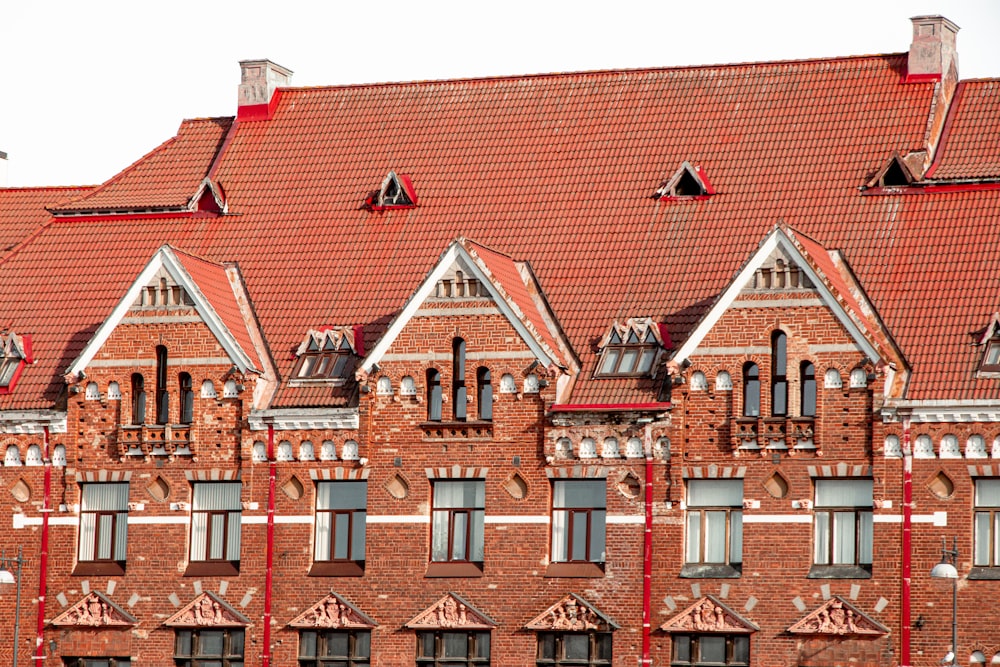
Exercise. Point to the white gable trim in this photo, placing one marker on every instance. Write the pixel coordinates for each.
(454, 253)
(777, 239)
(166, 259)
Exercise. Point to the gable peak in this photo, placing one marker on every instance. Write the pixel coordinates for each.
(94, 610)
(396, 191)
(688, 182)
(709, 614)
(333, 611)
(451, 611)
(207, 610)
(571, 613)
(837, 616)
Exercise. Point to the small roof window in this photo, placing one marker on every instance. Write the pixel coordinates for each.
(688, 182)
(630, 349)
(989, 339)
(396, 191)
(15, 352)
(895, 173)
(328, 354)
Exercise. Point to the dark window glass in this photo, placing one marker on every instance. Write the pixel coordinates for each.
(187, 398)
(751, 390)
(807, 378)
(588, 649)
(779, 378)
(484, 394)
(631, 357)
(334, 648)
(162, 396)
(433, 395)
(209, 648)
(710, 650)
(440, 648)
(458, 392)
(138, 399)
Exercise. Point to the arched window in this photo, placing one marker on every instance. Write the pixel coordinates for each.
(187, 398)
(807, 389)
(138, 399)
(433, 395)
(484, 393)
(162, 396)
(459, 395)
(751, 390)
(779, 377)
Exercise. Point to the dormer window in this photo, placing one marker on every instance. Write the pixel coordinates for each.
(630, 350)
(989, 339)
(16, 352)
(895, 173)
(396, 191)
(688, 182)
(329, 355)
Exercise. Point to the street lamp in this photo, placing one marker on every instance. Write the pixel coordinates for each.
(946, 570)
(9, 577)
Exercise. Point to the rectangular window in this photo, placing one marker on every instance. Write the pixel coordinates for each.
(97, 662)
(987, 528)
(215, 521)
(843, 522)
(715, 650)
(573, 648)
(714, 521)
(335, 648)
(457, 649)
(103, 523)
(578, 521)
(457, 521)
(209, 648)
(341, 512)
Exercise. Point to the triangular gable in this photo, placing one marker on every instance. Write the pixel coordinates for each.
(895, 173)
(571, 613)
(833, 291)
(983, 336)
(688, 182)
(217, 292)
(209, 197)
(207, 610)
(506, 286)
(95, 611)
(451, 611)
(333, 611)
(396, 191)
(709, 615)
(837, 616)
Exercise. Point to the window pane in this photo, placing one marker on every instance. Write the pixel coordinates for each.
(482, 645)
(210, 643)
(337, 645)
(460, 534)
(88, 528)
(342, 525)
(646, 361)
(199, 536)
(629, 359)
(216, 496)
(358, 537)
(682, 648)
(988, 491)
(844, 493)
(476, 536)
(715, 493)
(105, 524)
(580, 493)
(546, 647)
(982, 555)
(456, 644)
(741, 650)
(363, 645)
(712, 649)
(324, 523)
(576, 647)
(843, 538)
(597, 536)
(233, 538)
(579, 537)
(307, 644)
(104, 497)
(603, 642)
(715, 537)
(439, 536)
(693, 537)
(865, 538)
(560, 535)
(341, 495)
(236, 638)
(426, 645)
(610, 360)
(822, 538)
(736, 537)
(182, 646)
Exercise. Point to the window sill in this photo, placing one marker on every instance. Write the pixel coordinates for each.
(985, 573)
(341, 568)
(714, 571)
(214, 568)
(575, 570)
(840, 572)
(454, 570)
(99, 568)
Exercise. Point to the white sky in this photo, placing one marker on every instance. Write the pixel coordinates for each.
(89, 87)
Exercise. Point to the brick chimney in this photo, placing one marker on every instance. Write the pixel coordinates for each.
(259, 84)
(932, 53)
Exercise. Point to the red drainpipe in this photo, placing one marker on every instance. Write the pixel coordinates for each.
(904, 634)
(271, 473)
(43, 560)
(647, 554)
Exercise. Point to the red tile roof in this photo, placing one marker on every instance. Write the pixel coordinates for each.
(970, 148)
(556, 170)
(22, 211)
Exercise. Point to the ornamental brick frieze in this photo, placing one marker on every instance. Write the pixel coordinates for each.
(451, 611)
(333, 611)
(838, 617)
(571, 613)
(207, 610)
(709, 615)
(96, 611)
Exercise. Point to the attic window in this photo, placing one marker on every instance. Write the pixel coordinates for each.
(396, 192)
(989, 339)
(894, 174)
(16, 352)
(688, 182)
(329, 355)
(630, 350)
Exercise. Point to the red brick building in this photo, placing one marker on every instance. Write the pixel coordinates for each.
(675, 366)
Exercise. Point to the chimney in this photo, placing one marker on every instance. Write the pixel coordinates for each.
(932, 53)
(259, 92)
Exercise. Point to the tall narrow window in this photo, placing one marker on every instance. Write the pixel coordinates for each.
(807, 382)
(162, 396)
(103, 526)
(433, 395)
(578, 521)
(843, 523)
(987, 529)
(215, 522)
(458, 391)
(484, 394)
(714, 523)
(138, 399)
(457, 521)
(779, 377)
(341, 510)
(187, 398)
(751, 390)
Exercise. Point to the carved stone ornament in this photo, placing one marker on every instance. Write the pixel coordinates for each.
(451, 611)
(709, 615)
(332, 612)
(571, 613)
(207, 610)
(838, 617)
(95, 611)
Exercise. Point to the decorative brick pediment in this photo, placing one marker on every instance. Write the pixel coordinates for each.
(207, 610)
(838, 617)
(709, 615)
(451, 611)
(94, 611)
(571, 613)
(332, 611)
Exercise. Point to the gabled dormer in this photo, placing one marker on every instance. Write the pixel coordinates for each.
(16, 352)
(895, 173)
(632, 348)
(328, 354)
(395, 192)
(988, 340)
(688, 182)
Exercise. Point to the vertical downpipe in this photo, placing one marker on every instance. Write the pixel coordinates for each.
(43, 560)
(904, 635)
(268, 581)
(647, 552)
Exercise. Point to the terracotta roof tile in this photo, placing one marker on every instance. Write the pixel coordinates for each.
(970, 148)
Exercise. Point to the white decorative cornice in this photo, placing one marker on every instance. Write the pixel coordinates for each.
(944, 411)
(32, 422)
(304, 419)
